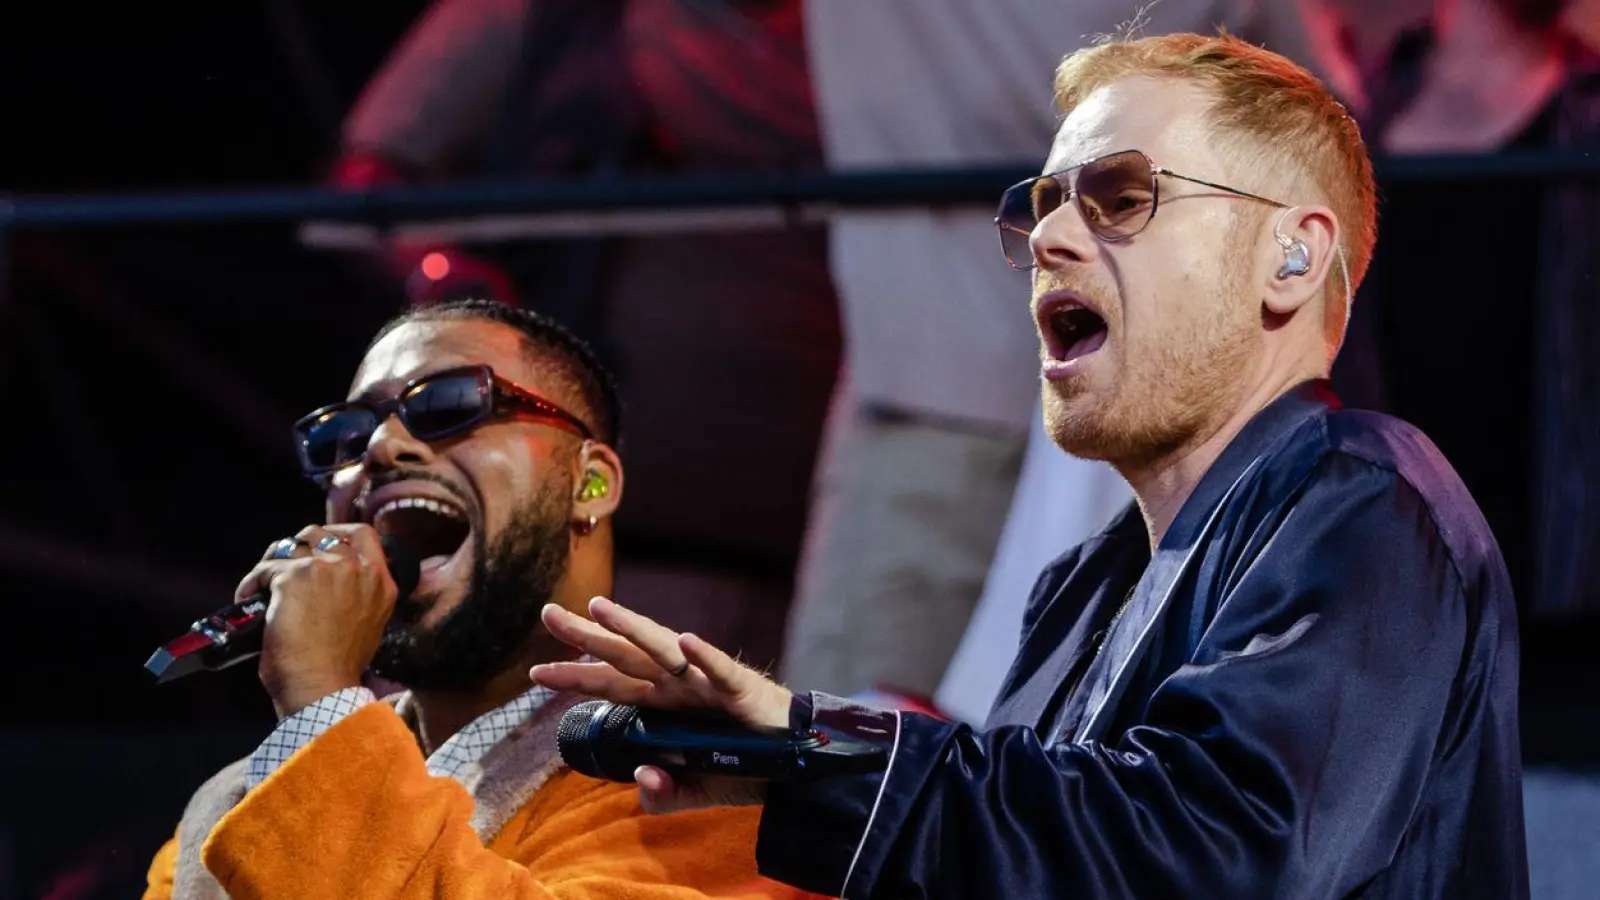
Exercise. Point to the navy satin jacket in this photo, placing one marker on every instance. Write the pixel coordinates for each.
(1310, 692)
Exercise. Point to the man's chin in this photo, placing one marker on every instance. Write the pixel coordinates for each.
(1083, 443)
(410, 656)
(1075, 421)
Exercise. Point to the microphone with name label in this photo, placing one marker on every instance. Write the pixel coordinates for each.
(606, 740)
(232, 634)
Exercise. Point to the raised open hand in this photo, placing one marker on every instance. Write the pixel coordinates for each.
(642, 663)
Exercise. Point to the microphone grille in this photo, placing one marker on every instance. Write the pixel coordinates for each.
(404, 566)
(590, 739)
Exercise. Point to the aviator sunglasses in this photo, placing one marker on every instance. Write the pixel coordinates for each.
(431, 407)
(1117, 195)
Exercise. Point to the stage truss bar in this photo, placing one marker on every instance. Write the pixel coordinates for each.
(792, 192)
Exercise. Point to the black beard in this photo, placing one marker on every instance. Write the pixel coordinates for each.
(497, 622)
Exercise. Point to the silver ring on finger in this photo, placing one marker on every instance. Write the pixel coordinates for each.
(680, 670)
(285, 547)
(329, 542)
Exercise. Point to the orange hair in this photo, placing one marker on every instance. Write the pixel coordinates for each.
(1276, 115)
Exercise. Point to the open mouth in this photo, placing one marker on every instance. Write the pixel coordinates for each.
(434, 530)
(1072, 331)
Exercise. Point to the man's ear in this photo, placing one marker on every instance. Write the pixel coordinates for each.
(597, 484)
(1301, 261)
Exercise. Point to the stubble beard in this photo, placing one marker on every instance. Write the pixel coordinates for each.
(496, 625)
(1171, 389)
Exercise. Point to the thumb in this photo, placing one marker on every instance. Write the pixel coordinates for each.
(660, 793)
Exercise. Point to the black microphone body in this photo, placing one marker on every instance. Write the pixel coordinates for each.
(606, 740)
(233, 634)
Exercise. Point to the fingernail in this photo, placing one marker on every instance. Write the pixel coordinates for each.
(600, 603)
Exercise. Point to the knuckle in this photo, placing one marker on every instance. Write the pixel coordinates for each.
(326, 562)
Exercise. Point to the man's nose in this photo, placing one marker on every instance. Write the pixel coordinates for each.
(392, 445)
(1062, 237)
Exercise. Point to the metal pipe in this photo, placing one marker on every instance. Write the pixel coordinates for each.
(783, 192)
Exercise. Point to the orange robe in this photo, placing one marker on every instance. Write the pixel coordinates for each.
(356, 814)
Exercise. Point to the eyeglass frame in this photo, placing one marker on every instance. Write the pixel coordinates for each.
(498, 391)
(1155, 203)
(1072, 194)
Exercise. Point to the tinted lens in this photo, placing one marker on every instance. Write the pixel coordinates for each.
(442, 405)
(1117, 194)
(1021, 208)
(335, 438)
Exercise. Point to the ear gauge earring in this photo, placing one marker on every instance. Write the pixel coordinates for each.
(585, 526)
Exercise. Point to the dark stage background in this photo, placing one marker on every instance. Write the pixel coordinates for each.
(151, 375)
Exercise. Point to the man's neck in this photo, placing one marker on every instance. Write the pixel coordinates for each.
(1485, 57)
(1367, 44)
(1484, 75)
(1162, 485)
(442, 714)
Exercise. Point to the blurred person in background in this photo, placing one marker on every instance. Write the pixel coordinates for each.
(481, 437)
(726, 344)
(937, 412)
(1510, 389)
(1495, 277)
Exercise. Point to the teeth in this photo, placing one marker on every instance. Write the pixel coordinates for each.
(433, 506)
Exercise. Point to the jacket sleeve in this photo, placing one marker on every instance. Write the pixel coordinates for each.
(356, 814)
(163, 868)
(1285, 759)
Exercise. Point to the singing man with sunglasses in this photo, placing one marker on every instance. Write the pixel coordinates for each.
(480, 437)
(1288, 670)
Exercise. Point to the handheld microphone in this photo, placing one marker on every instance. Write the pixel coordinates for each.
(604, 740)
(232, 634)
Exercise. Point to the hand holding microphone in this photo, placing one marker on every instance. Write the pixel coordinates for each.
(315, 608)
(714, 732)
(331, 600)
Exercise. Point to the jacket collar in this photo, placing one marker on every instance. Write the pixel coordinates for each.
(1126, 646)
(1272, 424)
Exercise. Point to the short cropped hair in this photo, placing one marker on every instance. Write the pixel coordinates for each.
(1276, 114)
(548, 346)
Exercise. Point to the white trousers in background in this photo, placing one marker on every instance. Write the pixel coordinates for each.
(1060, 501)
